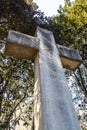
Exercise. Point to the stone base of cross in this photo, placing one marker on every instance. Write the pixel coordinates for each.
(53, 109)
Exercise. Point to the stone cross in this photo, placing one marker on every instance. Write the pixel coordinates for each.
(53, 109)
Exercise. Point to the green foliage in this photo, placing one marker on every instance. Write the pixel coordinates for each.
(16, 85)
(16, 76)
(19, 15)
(70, 29)
(71, 23)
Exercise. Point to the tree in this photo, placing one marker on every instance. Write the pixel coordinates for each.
(16, 84)
(70, 29)
(19, 15)
(16, 75)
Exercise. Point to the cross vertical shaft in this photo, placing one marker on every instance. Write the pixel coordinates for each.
(53, 105)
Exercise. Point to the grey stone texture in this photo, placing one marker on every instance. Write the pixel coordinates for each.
(53, 108)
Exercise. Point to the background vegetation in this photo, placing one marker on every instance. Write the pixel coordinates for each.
(16, 76)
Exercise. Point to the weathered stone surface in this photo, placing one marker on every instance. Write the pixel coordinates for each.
(25, 46)
(21, 45)
(70, 58)
(53, 107)
(37, 98)
(57, 109)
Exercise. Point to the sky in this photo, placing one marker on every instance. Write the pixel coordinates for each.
(49, 7)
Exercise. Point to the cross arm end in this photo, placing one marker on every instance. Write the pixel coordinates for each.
(70, 58)
(21, 45)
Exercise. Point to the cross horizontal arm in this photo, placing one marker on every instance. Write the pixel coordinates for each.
(24, 46)
(21, 45)
(70, 58)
